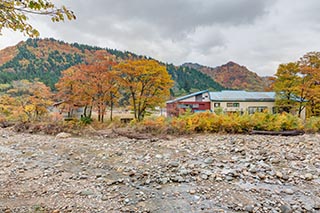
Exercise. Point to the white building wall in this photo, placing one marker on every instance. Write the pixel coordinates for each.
(243, 106)
(193, 98)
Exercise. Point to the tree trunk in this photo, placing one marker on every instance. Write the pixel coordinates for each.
(99, 113)
(111, 107)
(134, 106)
(90, 112)
(85, 111)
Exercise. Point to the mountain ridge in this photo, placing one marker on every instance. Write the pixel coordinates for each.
(234, 76)
(45, 59)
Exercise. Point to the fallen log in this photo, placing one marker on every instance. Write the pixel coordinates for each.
(131, 135)
(5, 124)
(279, 133)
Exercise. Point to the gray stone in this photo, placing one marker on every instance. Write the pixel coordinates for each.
(285, 209)
(308, 176)
(249, 208)
(174, 164)
(279, 174)
(192, 191)
(184, 171)
(317, 206)
(104, 198)
(206, 172)
(159, 156)
(164, 180)
(204, 176)
(86, 192)
(148, 181)
(288, 191)
(63, 135)
(208, 160)
(229, 178)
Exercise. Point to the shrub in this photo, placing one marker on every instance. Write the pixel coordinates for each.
(85, 120)
(276, 122)
(153, 124)
(208, 122)
(312, 124)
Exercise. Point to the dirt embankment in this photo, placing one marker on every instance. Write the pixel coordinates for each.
(206, 173)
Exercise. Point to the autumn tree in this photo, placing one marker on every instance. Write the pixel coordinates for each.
(31, 98)
(288, 87)
(70, 93)
(297, 85)
(90, 86)
(310, 71)
(8, 106)
(100, 86)
(14, 14)
(148, 83)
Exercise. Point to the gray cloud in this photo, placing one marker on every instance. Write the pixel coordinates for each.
(170, 18)
(259, 34)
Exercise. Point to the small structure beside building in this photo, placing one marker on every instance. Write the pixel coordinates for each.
(227, 101)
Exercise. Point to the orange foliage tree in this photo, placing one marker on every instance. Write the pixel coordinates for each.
(89, 86)
(147, 82)
(310, 71)
(69, 92)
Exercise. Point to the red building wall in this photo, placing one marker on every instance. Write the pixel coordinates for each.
(176, 108)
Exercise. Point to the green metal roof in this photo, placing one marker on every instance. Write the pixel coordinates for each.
(232, 95)
(239, 95)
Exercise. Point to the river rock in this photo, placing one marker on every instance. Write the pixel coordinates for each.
(208, 160)
(63, 135)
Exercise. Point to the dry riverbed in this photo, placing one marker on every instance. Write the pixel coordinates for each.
(204, 173)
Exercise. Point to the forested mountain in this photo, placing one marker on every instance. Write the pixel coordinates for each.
(189, 80)
(234, 76)
(46, 58)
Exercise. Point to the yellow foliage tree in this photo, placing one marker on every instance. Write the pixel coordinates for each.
(147, 82)
(32, 98)
(298, 85)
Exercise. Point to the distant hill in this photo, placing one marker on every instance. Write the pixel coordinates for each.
(234, 76)
(47, 58)
(189, 80)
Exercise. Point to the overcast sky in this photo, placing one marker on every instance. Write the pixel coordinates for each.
(259, 34)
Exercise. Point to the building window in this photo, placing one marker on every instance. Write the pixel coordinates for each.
(195, 105)
(216, 104)
(252, 110)
(233, 104)
(185, 106)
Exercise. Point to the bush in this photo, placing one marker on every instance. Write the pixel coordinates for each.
(276, 122)
(312, 124)
(207, 122)
(153, 124)
(85, 120)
